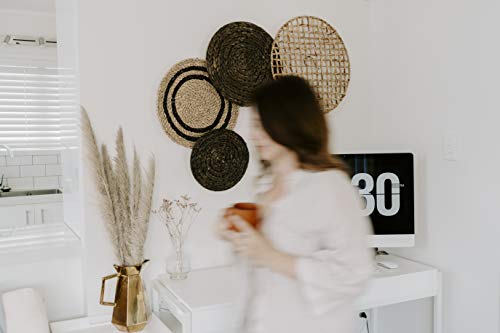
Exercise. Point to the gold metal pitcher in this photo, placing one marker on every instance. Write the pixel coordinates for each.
(130, 312)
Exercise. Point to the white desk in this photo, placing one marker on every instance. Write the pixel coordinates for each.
(102, 324)
(207, 302)
(409, 282)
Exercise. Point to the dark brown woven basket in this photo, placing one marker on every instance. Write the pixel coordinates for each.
(219, 159)
(238, 60)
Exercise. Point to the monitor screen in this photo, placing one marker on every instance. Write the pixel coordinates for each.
(385, 182)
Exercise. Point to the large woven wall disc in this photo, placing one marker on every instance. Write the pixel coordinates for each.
(238, 60)
(219, 160)
(190, 106)
(311, 48)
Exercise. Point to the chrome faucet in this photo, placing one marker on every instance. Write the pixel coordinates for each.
(8, 149)
(4, 187)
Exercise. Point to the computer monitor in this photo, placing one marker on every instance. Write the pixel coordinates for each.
(385, 182)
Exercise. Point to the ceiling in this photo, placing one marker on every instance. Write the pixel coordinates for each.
(42, 6)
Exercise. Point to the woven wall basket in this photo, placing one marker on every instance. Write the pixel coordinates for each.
(190, 106)
(311, 48)
(219, 160)
(238, 60)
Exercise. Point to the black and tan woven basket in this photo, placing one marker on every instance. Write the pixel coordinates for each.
(190, 106)
(219, 160)
(238, 60)
(311, 48)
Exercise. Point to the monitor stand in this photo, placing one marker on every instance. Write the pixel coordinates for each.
(382, 261)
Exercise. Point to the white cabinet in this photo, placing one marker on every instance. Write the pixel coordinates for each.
(31, 210)
(49, 213)
(16, 216)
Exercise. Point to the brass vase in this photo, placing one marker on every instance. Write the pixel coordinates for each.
(130, 313)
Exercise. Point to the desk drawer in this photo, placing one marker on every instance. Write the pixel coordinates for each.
(217, 319)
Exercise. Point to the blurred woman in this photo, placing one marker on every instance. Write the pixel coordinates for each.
(309, 257)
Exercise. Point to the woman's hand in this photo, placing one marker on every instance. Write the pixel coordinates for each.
(222, 226)
(248, 242)
(251, 244)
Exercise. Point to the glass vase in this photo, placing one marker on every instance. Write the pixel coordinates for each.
(178, 262)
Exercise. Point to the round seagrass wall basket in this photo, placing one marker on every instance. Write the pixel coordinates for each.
(190, 106)
(309, 47)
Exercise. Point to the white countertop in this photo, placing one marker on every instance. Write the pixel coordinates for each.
(38, 242)
(222, 286)
(30, 199)
(102, 325)
(206, 288)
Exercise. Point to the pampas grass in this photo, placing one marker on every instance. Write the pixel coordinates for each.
(124, 200)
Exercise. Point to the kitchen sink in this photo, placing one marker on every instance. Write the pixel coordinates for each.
(29, 193)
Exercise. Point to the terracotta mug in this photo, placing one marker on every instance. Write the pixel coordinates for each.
(247, 211)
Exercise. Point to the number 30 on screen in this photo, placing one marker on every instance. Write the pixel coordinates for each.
(371, 202)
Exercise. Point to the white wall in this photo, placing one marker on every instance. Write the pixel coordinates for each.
(427, 63)
(434, 69)
(26, 23)
(125, 48)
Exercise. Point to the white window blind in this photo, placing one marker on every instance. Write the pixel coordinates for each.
(37, 105)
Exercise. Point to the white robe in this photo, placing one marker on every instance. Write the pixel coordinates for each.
(319, 221)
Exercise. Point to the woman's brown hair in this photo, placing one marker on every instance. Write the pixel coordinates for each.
(290, 113)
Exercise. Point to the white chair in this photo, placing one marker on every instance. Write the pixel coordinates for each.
(25, 312)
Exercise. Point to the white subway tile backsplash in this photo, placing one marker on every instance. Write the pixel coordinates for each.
(46, 182)
(32, 170)
(20, 160)
(45, 159)
(25, 183)
(53, 170)
(9, 171)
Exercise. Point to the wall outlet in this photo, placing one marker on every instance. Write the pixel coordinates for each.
(363, 322)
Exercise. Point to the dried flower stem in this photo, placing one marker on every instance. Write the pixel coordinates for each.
(125, 205)
(178, 216)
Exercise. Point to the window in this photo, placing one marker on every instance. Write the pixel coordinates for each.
(37, 104)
